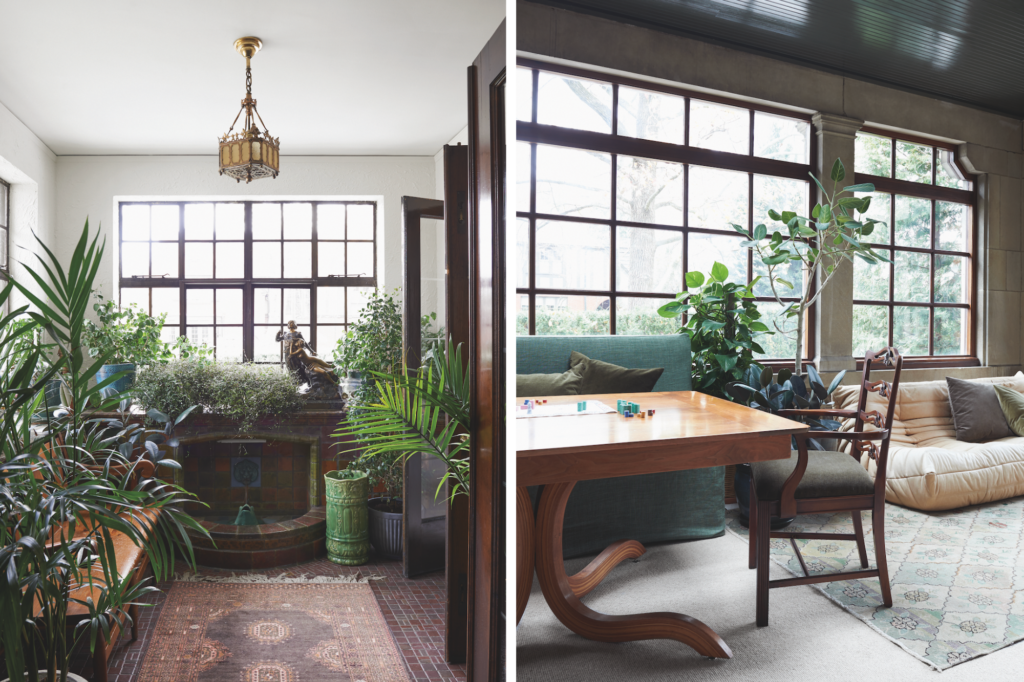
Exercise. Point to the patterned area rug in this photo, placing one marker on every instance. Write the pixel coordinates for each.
(271, 632)
(957, 576)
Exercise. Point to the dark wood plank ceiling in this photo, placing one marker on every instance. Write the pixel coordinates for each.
(965, 51)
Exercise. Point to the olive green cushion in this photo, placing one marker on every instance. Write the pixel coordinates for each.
(828, 474)
(534, 385)
(1012, 404)
(977, 417)
(604, 377)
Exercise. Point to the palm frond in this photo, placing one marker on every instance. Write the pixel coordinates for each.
(421, 411)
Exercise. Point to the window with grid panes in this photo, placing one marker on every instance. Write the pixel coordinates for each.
(232, 274)
(921, 304)
(625, 186)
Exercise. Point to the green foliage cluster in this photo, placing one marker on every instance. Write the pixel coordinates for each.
(245, 393)
(373, 344)
(184, 348)
(762, 390)
(66, 487)
(722, 323)
(127, 335)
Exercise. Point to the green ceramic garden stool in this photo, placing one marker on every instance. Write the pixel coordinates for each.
(348, 540)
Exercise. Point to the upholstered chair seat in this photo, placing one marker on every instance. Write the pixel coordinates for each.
(828, 474)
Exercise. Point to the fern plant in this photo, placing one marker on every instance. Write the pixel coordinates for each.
(420, 411)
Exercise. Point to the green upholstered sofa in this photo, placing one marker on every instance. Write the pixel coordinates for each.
(681, 505)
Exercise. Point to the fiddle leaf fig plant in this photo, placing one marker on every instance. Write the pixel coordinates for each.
(834, 233)
(723, 324)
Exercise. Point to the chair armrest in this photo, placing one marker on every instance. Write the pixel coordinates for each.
(845, 435)
(846, 414)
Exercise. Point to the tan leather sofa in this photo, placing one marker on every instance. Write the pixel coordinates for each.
(929, 469)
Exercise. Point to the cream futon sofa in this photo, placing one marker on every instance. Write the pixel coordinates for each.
(929, 469)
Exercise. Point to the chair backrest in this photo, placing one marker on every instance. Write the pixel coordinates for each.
(550, 354)
(888, 357)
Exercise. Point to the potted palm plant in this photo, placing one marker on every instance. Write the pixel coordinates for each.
(63, 493)
(422, 411)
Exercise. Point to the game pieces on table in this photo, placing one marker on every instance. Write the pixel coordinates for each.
(630, 409)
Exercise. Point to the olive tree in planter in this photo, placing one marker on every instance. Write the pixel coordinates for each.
(818, 246)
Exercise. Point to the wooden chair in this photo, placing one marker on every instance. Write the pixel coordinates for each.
(827, 482)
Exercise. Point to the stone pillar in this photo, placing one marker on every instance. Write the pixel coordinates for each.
(999, 306)
(834, 318)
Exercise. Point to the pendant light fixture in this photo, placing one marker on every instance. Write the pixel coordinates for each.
(249, 154)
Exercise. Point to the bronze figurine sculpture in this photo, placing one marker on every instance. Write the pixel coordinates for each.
(303, 361)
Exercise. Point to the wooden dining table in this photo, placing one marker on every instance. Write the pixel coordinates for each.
(689, 430)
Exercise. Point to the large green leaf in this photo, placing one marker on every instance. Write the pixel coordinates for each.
(726, 362)
(838, 171)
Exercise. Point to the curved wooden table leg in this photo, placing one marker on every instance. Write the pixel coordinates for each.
(584, 621)
(585, 581)
(524, 550)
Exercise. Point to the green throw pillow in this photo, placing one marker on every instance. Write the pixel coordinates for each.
(604, 377)
(1012, 404)
(540, 385)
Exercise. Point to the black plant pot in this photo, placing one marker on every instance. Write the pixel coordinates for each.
(741, 484)
(385, 530)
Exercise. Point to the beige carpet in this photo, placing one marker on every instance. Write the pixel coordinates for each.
(810, 637)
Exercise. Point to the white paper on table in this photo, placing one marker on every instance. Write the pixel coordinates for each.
(593, 407)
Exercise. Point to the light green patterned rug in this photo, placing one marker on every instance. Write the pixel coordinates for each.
(957, 576)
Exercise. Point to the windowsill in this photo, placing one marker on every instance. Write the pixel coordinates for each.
(935, 362)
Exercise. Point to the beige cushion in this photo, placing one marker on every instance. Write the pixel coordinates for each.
(929, 469)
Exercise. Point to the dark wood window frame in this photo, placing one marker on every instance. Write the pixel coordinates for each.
(614, 144)
(932, 192)
(315, 284)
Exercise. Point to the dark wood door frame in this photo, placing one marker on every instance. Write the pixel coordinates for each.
(457, 325)
(421, 552)
(487, 361)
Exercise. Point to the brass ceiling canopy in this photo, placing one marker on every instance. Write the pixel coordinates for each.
(249, 154)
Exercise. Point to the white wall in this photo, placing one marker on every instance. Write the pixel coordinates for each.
(87, 187)
(30, 168)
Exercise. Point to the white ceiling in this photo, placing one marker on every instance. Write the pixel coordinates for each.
(333, 77)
